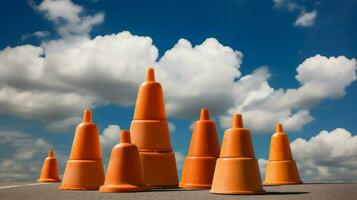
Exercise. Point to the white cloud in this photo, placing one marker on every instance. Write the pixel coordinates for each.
(24, 156)
(306, 19)
(172, 127)
(262, 167)
(328, 156)
(180, 158)
(262, 106)
(65, 76)
(288, 4)
(109, 139)
(61, 80)
(199, 76)
(68, 17)
(37, 34)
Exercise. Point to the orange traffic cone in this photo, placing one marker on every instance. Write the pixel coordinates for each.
(84, 169)
(237, 170)
(200, 163)
(124, 170)
(50, 172)
(281, 168)
(150, 133)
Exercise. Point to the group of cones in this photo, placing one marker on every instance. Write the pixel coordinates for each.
(144, 157)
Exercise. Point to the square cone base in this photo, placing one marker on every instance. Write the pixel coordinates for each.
(48, 180)
(123, 188)
(198, 172)
(159, 169)
(83, 175)
(282, 173)
(237, 176)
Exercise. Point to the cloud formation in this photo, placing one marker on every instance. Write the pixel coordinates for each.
(24, 156)
(109, 139)
(304, 19)
(320, 78)
(55, 81)
(68, 17)
(63, 77)
(328, 156)
(325, 157)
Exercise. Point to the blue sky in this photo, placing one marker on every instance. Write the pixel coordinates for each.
(272, 60)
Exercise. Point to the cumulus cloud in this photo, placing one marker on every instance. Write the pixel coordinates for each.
(180, 158)
(325, 157)
(328, 156)
(320, 78)
(24, 156)
(110, 137)
(62, 78)
(55, 81)
(306, 19)
(199, 76)
(68, 17)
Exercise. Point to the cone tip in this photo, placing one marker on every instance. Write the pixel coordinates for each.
(279, 128)
(150, 76)
(237, 121)
(51, 153)
(87, 116)
(125, 136)
(204, 114)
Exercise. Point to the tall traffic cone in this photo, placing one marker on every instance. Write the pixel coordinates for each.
(50, 172)
(237, 170)
(84, 169)
(124, 170)
(281, 168)
(150, 133)
(200, 163)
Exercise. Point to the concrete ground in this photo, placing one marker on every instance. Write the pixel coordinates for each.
(34, 191)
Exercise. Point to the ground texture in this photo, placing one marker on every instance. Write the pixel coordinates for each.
(30, 191)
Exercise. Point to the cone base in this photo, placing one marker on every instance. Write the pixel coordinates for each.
(240, 192)
(237, 176)
(48, 180)
(123, 188)
(195, 186)
(83, 175)
(282, 173)
(159, 169)
(198, 172)
(142, 132)
(282, 183)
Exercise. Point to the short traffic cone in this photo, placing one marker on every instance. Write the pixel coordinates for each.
(50, 172)
(124, 170)
(84, 169)
(281, 168)
(150, 133)
(200, 162)
(237, 170)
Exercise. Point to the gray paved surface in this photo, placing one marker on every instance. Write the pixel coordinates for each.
(306, 191)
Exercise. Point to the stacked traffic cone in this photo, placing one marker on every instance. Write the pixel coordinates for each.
(200, 163)
(281, 168)
(237, 170)
(150, 133)
(50, 172)
(84, 169)
(124, 170)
